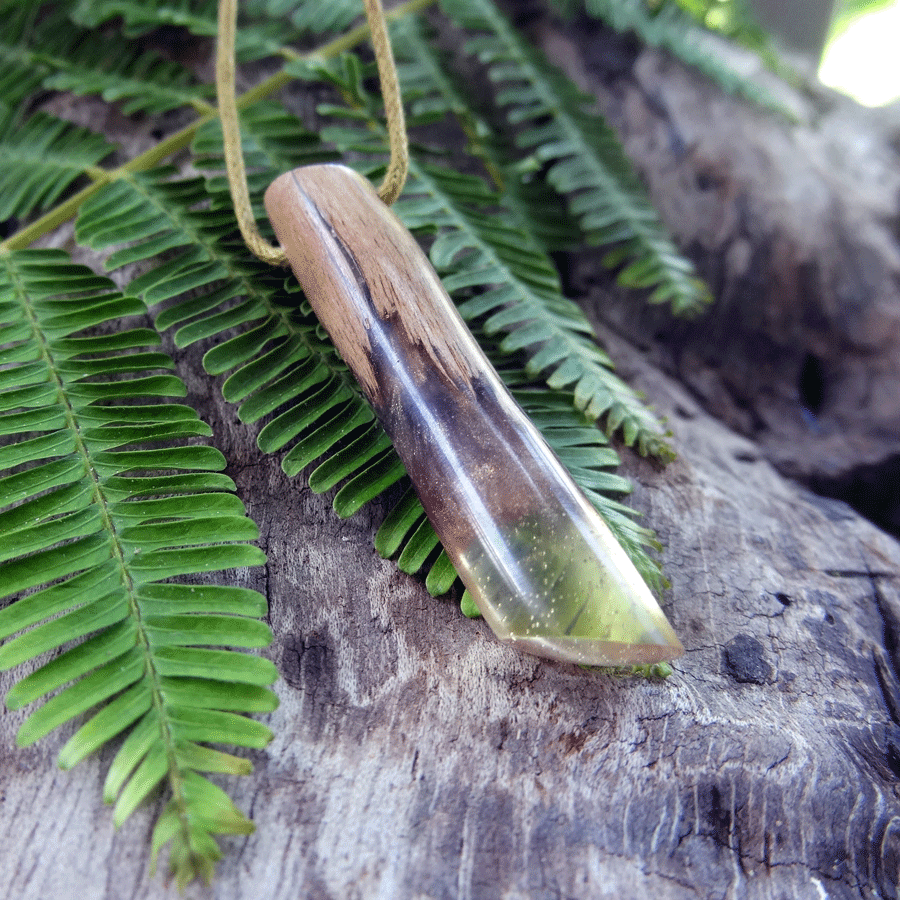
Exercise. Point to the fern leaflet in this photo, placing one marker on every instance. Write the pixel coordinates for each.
(670, 27)
(96, 520)
(431, 89)
(20, 75)
(141, 82)
(331, 16)
(40, 158)
(255, 39)
(584, 159)
(54, 54)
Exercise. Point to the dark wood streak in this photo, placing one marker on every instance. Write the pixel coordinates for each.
(338, 242)
(358, 265)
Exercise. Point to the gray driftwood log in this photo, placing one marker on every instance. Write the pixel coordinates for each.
(417, 758)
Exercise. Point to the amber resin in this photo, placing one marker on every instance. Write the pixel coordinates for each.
(539, 561)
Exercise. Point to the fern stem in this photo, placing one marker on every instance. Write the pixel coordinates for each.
(201, 107)
(98, 173)
(180, 139)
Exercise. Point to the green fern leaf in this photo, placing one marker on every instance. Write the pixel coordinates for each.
(256, 38)
(139, 18)
(50, 51)
(265, 26)
(584, 158)
(319, 17)
(431, 88)
(279, 357)
(668, 25)
(273, 142)
(40, 158)
(93, 516)
(20, 74)
(140, 82)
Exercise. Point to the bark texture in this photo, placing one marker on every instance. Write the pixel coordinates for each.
(795, 226)
(416, 758)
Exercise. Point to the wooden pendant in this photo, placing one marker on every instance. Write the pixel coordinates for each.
(539, 561)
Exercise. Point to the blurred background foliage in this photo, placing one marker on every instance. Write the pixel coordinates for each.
(854, 41)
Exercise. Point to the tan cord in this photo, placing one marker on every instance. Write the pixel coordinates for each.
(395, 176)
(231, 138)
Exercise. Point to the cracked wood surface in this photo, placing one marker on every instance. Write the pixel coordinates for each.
(794, 225)
(416, 758)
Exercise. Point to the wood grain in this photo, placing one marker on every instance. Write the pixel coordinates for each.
(358, 264)
(415, 757)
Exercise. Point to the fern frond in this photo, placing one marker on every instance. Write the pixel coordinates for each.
(584, 159)
(139, 82)
(20, 76)
(317, 17)
(431, 88)
(139, 18)
(279, 363)
(255, 38)
(499, 276)
(54, 53)
(40, 158)
(668, 26)
(265, 26)
(104, 496)
(497, 272)
(272, 142)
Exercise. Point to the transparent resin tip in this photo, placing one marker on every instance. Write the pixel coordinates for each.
(539, 561)
(558, 586)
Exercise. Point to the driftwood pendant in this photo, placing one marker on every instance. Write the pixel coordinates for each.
(539, 561)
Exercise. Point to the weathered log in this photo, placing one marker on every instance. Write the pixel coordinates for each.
(417, 757)
(794, 225)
